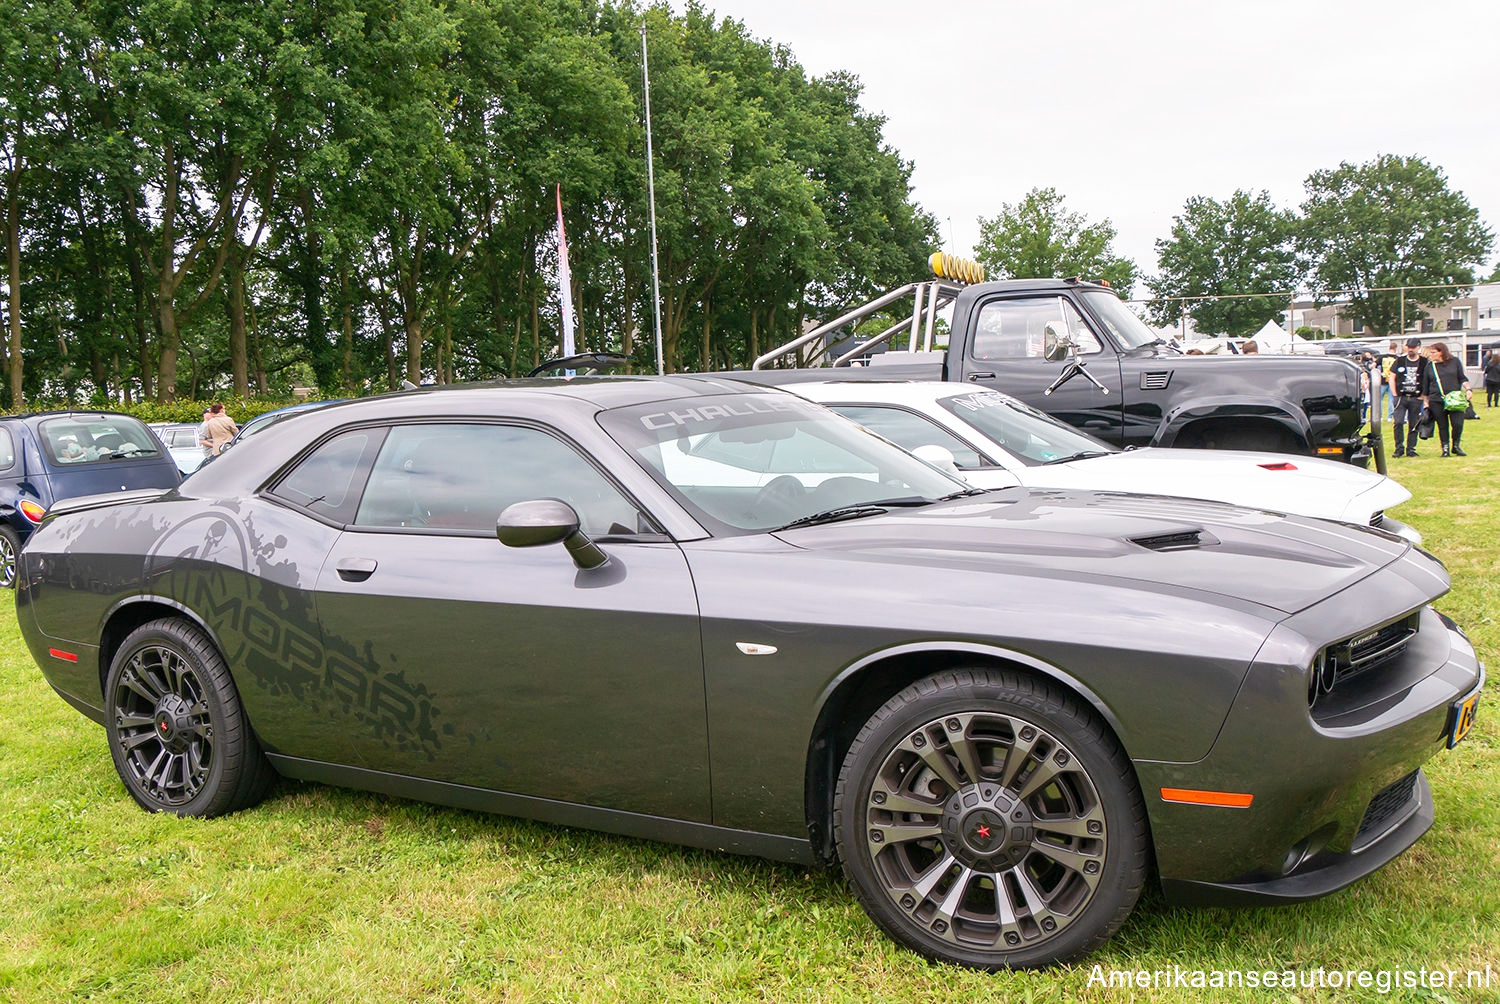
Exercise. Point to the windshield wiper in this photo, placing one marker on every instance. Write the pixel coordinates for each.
(833, 516)
(963, 494)
(856, 511)
(1080, 455)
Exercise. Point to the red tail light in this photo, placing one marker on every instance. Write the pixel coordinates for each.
(32, 511)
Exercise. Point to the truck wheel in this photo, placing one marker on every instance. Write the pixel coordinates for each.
(177, 733)
(989, 819)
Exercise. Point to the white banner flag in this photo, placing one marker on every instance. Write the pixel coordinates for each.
(564, 281)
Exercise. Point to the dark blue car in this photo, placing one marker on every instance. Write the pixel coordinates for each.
(48, 457)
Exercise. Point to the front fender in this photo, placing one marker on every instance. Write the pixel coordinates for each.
(938, 646)
(1180, 416)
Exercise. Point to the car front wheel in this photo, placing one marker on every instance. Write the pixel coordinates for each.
(177, 731)
(990, 819)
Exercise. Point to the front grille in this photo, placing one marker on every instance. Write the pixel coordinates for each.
(1390, 806)
(1361, 653)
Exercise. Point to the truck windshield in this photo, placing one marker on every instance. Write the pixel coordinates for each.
(1128, 330)
(1030, 436)
(748, 462)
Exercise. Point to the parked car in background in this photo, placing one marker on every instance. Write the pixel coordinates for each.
(994, 441)
(725, 616)
(51, 456)
(181, 441)
(260, 423)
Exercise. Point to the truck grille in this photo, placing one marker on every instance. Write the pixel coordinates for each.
(1390, 806)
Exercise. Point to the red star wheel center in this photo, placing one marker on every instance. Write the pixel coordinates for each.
(983, 832)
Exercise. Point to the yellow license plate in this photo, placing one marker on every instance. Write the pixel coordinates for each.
(1463, 719)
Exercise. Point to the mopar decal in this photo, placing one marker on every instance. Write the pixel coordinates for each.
(221, 568)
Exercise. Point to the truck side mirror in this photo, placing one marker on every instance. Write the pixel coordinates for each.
(1055, 343)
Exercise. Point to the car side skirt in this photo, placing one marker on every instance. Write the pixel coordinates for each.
(793, 850)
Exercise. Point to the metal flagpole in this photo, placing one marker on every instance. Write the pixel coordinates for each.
(651, 185)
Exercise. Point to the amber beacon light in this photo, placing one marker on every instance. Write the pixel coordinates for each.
(947, 266)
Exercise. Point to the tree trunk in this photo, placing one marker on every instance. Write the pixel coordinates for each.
(13, 274)
(536, 334)
(166, 317)
(239, 359)
(347, 337)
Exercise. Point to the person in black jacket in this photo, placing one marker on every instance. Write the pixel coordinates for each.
(1492, 379)
(1444, 375)
(1405, 378)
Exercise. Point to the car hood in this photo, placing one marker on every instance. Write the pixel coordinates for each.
(1168, 545)
(1305, 486)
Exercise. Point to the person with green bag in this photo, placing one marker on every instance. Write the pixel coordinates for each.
(1446, 393)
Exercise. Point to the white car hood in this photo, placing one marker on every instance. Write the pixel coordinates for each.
(1274, 481)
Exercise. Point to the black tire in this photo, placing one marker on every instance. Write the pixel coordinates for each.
(938, 874)
(10, 555)
(177, 732)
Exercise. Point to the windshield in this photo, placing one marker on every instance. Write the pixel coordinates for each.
(1032, 437)
(83, 439)
(1129, 331)
(747, 462)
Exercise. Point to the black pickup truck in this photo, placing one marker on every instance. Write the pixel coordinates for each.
(1074, 350)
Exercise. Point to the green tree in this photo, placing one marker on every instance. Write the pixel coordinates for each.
(1241, 245)
(1390, 222)
(1037, 239)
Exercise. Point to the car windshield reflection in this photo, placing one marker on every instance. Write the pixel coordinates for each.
(743, 463)
(1032, 437)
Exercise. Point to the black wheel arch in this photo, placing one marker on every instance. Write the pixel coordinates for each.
(857, 692)
(1186, 424)
(131, 614)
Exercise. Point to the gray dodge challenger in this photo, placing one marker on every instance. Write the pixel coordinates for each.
(723, 616)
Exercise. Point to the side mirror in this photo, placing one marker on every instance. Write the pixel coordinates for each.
(938, 456)
(1055, 343)
(548, 521)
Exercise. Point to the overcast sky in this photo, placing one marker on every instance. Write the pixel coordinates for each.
(1129, 108)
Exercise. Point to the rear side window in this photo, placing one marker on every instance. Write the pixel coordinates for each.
(7, 448)
(327, 480)
(80, 439)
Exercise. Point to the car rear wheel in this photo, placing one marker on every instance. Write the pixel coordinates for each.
(10, 550)
(177, 731)
(990, 819)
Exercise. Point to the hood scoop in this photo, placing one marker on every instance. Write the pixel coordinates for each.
(1177, 540)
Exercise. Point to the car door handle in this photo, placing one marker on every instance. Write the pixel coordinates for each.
(981, 376)
(356, 569)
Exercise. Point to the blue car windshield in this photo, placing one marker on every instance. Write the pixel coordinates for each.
(85, 439)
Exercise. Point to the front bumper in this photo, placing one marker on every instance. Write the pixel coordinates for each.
(1334, 800)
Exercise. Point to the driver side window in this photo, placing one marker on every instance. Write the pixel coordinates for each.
(460, 477)
(1017, 329)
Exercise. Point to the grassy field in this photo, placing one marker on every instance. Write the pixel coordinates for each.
(328, 895)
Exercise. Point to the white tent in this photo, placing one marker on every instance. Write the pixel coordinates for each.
(1272, 337)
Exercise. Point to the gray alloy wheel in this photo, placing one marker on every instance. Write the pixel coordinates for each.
(10, 550)
(177, 732)
(989, 819)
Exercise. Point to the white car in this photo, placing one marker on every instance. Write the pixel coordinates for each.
(181, 441)
(995, 441)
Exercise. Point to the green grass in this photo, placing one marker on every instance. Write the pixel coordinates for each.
(328, 895)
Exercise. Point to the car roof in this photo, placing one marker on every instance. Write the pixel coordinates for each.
(888, 391)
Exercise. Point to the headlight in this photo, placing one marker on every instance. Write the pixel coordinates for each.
(1320, 676)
